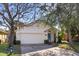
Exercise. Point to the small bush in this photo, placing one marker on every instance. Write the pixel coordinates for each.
(17, 42)
(65, 46)
(46, 42)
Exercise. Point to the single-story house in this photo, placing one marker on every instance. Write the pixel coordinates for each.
(3, 36)
(35, 33)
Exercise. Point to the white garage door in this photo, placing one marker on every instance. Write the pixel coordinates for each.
(32, 38)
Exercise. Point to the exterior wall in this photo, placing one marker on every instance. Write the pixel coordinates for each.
(34, 34)
(52, 37)
(3, 38)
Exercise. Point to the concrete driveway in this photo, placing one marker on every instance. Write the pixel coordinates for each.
(35, 47)
(45, 50)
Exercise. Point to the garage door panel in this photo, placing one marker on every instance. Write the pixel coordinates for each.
(32, 38)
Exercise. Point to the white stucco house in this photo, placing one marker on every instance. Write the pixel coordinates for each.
(35, 33)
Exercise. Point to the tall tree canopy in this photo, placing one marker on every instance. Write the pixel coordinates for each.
(65, 15)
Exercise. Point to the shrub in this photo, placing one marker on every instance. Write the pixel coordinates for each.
(65, 46)
(17, 42)
(46, 42)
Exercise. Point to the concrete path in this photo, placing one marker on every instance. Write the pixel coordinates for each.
(45, 50)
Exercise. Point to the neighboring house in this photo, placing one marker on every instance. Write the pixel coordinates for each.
(35, 33)
(3, 36)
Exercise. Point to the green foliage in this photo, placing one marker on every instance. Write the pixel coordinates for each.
(3, 48)
(61, 34)
(66, 15)
(64, 46)
(76, 46)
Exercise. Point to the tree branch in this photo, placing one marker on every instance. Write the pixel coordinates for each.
(7, 9)
(17, 12)
(6, 23)
(4, 17)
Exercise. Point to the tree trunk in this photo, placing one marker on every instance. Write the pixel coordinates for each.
(69, 37)
(11, 36)
(54, 38)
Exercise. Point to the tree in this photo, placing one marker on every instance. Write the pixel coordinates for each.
(65, 15)
(52, 15)
(70, 19)
(9, 13)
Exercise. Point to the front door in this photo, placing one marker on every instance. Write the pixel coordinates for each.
(49, 37)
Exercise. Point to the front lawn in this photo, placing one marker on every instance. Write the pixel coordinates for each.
(3, 51)
(76, 46)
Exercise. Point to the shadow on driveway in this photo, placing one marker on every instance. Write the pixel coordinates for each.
(34, 47)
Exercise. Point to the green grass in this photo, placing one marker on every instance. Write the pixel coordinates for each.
(4, 53)
(2, 49)
(76, 46)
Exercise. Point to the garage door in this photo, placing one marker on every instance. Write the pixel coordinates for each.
(32, 38)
